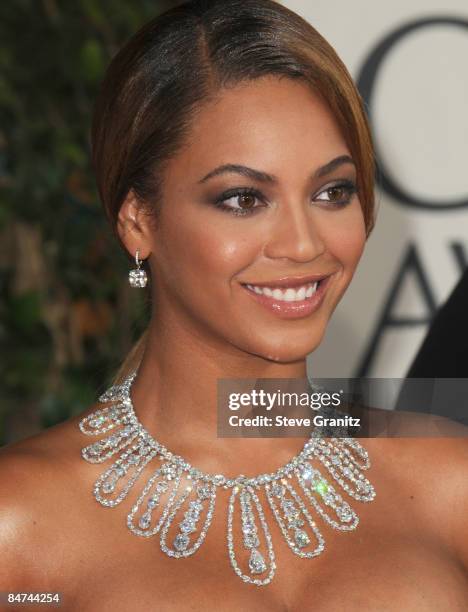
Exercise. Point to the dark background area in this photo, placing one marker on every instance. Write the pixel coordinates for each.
(67, 313)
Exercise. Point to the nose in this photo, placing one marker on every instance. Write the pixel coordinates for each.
(294, 235)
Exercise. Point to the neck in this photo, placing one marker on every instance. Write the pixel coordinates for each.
(175, 398)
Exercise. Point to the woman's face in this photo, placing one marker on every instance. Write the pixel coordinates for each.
(257, 203)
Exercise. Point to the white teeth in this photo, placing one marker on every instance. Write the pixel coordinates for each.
(301, 293)
(289, 295)
(286, 295)
(277, 294)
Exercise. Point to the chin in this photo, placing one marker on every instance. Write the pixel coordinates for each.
(285, 356)
(287, 352)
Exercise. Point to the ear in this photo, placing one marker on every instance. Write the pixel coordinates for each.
(133, 227)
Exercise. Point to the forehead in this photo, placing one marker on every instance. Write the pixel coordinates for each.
(270, 121)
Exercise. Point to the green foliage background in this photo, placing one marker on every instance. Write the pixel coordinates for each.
(67, 313)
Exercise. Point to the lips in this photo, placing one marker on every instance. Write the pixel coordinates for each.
(291, 297)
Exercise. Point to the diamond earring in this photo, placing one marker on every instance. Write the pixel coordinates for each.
(137, 277)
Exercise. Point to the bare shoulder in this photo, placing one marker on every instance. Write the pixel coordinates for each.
(427, 461)
(37, 477)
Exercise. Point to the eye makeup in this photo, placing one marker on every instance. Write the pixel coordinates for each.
(249, 200)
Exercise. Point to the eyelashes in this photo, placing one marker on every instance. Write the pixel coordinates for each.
(245, 200)
(244, 196)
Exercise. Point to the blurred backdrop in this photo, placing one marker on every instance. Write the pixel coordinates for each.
(67, 313)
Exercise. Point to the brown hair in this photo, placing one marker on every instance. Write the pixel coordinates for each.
(182, 59)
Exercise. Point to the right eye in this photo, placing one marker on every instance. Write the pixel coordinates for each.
(239, 201)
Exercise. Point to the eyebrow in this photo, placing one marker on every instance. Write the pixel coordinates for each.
(263, 177)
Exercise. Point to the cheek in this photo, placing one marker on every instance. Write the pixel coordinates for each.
(348, 239)
(214, 248)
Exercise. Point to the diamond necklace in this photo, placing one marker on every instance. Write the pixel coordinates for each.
(178, 493)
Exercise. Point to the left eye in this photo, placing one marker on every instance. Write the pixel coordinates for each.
(337, 194)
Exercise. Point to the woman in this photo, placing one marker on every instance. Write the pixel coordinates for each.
(233, 156)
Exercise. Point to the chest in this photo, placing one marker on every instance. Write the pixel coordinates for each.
(394, 560)
(372, 568)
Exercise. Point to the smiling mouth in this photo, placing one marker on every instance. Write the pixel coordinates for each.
(290, 298)
(286, 294)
